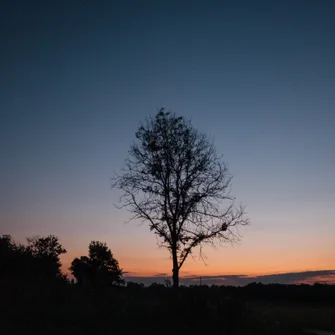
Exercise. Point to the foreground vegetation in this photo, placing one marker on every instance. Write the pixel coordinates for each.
(36, 298)
(63, 308)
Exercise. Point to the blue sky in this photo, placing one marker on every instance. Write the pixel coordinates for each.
(258, 77)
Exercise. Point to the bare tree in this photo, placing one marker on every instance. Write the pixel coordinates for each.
(174, 180)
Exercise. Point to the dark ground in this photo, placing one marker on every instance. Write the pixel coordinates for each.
(32, 308)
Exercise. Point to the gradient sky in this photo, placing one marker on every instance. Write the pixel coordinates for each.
(77, 77)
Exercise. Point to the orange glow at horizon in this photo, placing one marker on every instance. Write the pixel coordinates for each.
(254, 256)
(159, 263)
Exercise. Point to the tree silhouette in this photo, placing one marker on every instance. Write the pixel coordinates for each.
(100, 268)
(175, 180)
(10, 257)
(38, 260)
(46, 252)
(80, 269)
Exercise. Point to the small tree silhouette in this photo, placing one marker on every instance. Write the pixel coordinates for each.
(100, 268)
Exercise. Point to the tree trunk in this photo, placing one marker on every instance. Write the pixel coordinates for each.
(175, 270)
(175, 278)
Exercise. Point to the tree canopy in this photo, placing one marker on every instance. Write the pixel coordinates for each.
(46, 252)
(38, 260)
(99, 268)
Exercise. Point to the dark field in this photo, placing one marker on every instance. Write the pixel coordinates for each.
(255, 309)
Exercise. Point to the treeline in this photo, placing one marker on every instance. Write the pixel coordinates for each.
(38, 261)
(302, 293)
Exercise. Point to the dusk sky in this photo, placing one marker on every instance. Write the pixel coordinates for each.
(258, 77)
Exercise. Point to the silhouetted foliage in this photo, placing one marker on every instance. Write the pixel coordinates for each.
(157, 286)
(134, 286)
(11, 257)
(100, 268)
(175, 181)
(46, 252)
(38, 261)
(80, 269)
